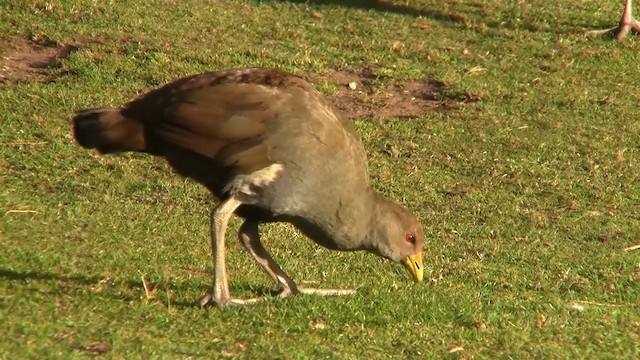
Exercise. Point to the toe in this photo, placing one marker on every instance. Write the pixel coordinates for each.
(246, 301)
(327, 292)
(286, 292)
(206, 300)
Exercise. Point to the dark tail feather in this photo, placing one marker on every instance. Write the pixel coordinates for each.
(107, 131)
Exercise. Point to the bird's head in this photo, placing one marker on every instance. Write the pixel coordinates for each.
(397, 236)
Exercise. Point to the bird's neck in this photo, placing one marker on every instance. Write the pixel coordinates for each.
(374, 208)
(358, 221)
(348, 227)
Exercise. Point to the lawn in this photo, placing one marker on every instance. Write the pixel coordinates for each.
(522, 170)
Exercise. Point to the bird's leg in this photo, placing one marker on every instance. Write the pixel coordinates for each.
(220, 294)
(250, 238)
(627, 23)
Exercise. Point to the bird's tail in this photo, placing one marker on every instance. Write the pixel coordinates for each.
(108, 131)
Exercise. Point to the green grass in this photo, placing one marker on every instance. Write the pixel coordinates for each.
(528, 196)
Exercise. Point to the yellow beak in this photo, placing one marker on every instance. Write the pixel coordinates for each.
(414, 265)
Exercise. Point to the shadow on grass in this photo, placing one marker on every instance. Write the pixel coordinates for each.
(126, 289)
(385, 6)
(458, 15)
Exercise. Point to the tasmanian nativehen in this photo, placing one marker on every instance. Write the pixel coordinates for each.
(270, 148)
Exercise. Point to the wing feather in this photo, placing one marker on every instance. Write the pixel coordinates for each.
(226, 122)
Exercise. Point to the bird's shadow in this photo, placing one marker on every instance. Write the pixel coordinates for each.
(126, 290)
(383, 6)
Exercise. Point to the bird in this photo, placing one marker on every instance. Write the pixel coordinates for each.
(270, 148)
(627, 23)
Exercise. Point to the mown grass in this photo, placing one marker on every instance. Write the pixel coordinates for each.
(528, 196)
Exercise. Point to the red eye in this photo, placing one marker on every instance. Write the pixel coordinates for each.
(410, 239)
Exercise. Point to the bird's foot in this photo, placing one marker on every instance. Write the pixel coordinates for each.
(621, 30)
(209, 300)
(287, 292)
(218, 295)
(325, 292)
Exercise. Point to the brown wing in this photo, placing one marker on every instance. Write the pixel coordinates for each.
(225, 122)
(222, 115)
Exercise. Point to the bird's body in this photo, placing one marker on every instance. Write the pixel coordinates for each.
(269, 146)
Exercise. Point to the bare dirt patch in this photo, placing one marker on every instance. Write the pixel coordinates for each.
(37, 59)
(363, 93)
(359, 93)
